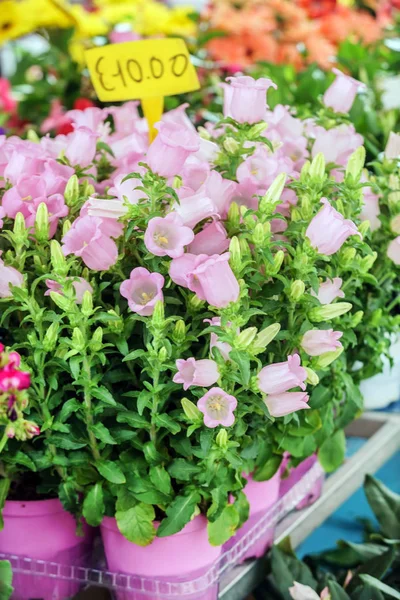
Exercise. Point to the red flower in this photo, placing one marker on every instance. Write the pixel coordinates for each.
(83, 103)
(65, 128)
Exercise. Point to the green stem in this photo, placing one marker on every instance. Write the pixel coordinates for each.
(3, 441)
(88, 410)
(154, 408)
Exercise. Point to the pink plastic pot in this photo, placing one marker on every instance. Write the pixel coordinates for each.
(295, 475)
(43, 530)
(262, 495)
(167, 565)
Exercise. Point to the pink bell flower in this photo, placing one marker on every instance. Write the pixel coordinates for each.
(87, 240)
(142, 290)
(319, 341)
(180, 268)
(393, 250)
(126, 189)
(341, 93)
(167, 236)
(286, 403)
(371, 210)
(213, 280)
(261, 168)
(245, 99)
(193, 372)
(337, 144)
(194, 173)
(173, 144)
(215, 342)
(194, 208)
(9, 276)
(2, 215)
(220, 191)
(329, 230)
(217, 407)
(281, 377)
(81, 147)
(79, 284)
(392, 150)
(213, 239)
(329, 290)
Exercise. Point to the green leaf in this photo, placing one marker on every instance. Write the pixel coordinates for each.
(133, 419)
(144, 491)
(167, 422)
(161, 479)
(332, 452)
(102, 393)
(102, 433)
(243, 362)
(70, 406)
(182, 469)
(179, 513)
(6, 578)
(385, 505)
(135, 522)
(133, 355)
(110, 471)
(377, 567)
(93, 506)
(224, 527)
(337, 592)
(65, 442)
(268, 470)
(4, 487)
(382, 587)
(69, 496)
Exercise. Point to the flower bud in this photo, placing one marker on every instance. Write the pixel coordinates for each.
(364, 227)
(203, 133)
(42, 223)
(231, 145)
(305, 171)
(265, 337)
(376, 317)
(355, 165)
(32, 136)
(58, 259)
(357, 318)
(179, 333)
(306, 208)
(19, 229)
(234, 215)
(66, 227)
(395, 224)
(257, 130)
(50, 339)
(71, 193)
(326, 359)
(116, 323)
(367, 262)
(244, 248)
(347, 256)
(195, 302)
(236, 257)
(96, 342)
(222, 439)
(87, 189)
(278, 260)
(273, 195)
(394, 200)
(163, 354)
(296, 214)
(87, 304)
(191, 410)
(258, 235)
(61, 301)
(317, 168)
(78, 341)
(158, 317)
(312, 377)
(245, 338)
(297, 290)
(177, 183)
(329, 311)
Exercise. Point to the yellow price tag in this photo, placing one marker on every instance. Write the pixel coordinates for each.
(142, 69)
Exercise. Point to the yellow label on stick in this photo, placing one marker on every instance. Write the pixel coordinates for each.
(142, 69)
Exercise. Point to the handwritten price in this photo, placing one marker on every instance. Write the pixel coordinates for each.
(142, 69)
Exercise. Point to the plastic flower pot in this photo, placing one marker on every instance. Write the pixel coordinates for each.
(383, 389)
(179, 564)
(43, 530)
(262, 496)
(295, 475)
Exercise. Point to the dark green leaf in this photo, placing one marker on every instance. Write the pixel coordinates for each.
(111, 471)
(182, 469)
(65, 442)
(332, 452)
(161, 480)
(135, 521)
(337, 592)
(224, 527)
(179, 513)
(268, 470)
(70, 406)
(102, 393)
(4, 487)
(382, 587)
(102, 433)
(69, 496)
(243, 361)
(166, 421)
(6, 578)
(133, 419)
(385, 505)
(93, 506)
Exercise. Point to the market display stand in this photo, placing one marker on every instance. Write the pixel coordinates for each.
(382, 432)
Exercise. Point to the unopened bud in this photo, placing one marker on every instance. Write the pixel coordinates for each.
(244, 248)
(179, 332)
(58, 260)
(222, 439)
(265, 337)
(71, 193)
(355, 165)
(305, 170)
(326, 359)
(42, 226)
(50, 339)
(236, 257)
(177, 182)
(234, 215)
(273, 196)
(395, 224)
(203, 133)
(296, 214)
(158, 317)
(258, 235)
(245, 338)
(195, 302)
(163, 354)
(317, 168)
(278, 260)
(87, 304)
(368, 261)
(297, 290)
(78, 341)
(312, 377)
(364, 227)
(394, 199)
(231, 145)
(19, 229)
(96, 342)
(66, 227)
(87, 189)
(357, 318)
(61, 301)
(32, 136)
(347, 256)
(191, 410)
(329, 311)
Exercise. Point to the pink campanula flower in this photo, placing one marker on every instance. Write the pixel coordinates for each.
(12, 379)
(127, 189)
(142, 290)
(337, 144)
(109, 226)
(92, 118)
(286, 403)
(341, 93)
(302, 592)
(87, 240)
(245, 99)
(81, 147)
(194, 208)
(194, 173)
(178, 116)
(392, 150)
(329, 230)
(393, 250)
(215, 342)
(201, 373)
(9, 276)
(167, 236)
(2, 215)
(173, 144)
(370, 211)
(217, 407)
(56, 119)
(261, 168)
(213, 280)
(212, 239)
(79, 284)
(7, 102)
(220, 191)
(281, 377)
(180, 268)
(329, 290)
(318, 341)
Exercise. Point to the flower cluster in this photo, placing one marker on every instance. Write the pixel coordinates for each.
(182, 305)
